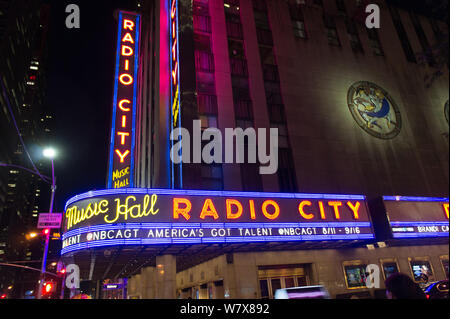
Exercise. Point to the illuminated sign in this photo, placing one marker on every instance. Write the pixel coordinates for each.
(174, 63)
(417, 217)
(151, 216)
(175, 90)
(121, 154)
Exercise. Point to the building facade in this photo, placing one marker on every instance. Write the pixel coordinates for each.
(354, 116)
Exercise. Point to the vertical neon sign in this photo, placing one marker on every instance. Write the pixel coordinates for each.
(175, 80)
(121, 153)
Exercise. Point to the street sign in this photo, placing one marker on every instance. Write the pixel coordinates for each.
(49, 220)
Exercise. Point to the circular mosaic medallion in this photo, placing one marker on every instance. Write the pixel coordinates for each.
(446, 111)
(374, 110)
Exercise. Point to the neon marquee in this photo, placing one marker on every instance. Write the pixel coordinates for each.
(157, 216)
(121, 155)
(417, 217)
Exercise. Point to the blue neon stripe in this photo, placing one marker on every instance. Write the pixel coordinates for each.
(179, 192)
(419, 224)
(419, 235)
(156, 241)
(133, 129)
(116, 87)
(124, 226)
(415, 199)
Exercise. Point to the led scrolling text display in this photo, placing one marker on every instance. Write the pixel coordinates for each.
(121, 161)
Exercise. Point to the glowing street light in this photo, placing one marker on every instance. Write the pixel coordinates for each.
(32, 235)
(49, 153)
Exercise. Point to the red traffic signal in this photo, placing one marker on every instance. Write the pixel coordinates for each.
(3, 296)
(46, 231)
(48, 288)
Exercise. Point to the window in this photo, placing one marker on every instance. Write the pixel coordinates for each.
(234, 30)
(202, 23)
(286, 172)
(212, 176)
(318, 2)
(243, 109)
(259, 5)
(435, 27)
(200, 9)
(298, 21)
(267, 55)
(353, 36)
(270, 73)
(238, 67)
(340, 4)
(402, 35)
(422, 39)
(204, 61)
(236, 49)
(208, 121)
(202, 42)
(299, 29)
(264, 37)
(375, 43)
(205, 82)
(330, 27)
(207, 104)
(273, 93)
(262, 20)
(276, 113)
(283, 141)
(231, 6)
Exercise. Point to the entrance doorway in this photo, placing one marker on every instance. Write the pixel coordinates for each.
(272, 278)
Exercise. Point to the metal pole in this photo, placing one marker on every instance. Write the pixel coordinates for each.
(47, 237)
(63, 279)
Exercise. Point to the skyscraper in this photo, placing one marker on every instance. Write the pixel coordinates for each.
(23, 45)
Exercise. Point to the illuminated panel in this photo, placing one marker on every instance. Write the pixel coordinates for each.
(175, 89)
(122, 144)
(151, 217)
(417, 217)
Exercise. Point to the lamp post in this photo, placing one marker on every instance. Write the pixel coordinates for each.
(49, 153)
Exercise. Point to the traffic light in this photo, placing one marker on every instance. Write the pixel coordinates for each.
(3, 296)
(46, 231)
(62, 271)
(48, 288)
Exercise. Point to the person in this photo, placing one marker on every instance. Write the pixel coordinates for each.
(401, 286)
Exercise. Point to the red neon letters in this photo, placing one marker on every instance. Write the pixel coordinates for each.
(122, 130)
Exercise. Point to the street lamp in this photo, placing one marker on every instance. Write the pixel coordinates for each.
(51, 154)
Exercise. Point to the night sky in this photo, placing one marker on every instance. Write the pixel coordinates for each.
(80, 88)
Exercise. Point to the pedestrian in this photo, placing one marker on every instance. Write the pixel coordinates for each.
(401, 286)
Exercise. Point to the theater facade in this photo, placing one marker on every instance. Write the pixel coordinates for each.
(361, 189)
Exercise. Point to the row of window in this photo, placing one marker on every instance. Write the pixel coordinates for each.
(243, 106)
(299, 28)
(275, 105)
(212, 174)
